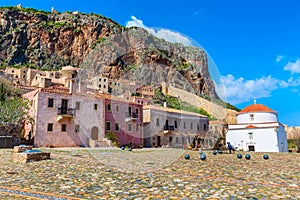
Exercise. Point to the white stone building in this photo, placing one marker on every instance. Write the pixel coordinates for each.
(257, 129)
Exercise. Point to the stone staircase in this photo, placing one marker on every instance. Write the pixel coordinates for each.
(102, 142)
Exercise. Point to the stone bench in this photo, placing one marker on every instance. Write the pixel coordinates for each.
(30, 155)
(21, 148)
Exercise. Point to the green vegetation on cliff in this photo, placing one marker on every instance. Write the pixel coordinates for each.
(175, 103)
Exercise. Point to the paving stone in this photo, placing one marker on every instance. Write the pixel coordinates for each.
(115, 174)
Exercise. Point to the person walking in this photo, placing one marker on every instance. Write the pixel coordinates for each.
(230, 148)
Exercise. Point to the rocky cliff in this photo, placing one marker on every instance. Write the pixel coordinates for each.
(99, 45)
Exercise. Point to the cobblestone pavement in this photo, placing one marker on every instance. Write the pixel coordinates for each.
(79, 173)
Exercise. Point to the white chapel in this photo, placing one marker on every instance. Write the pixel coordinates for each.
(257, 129)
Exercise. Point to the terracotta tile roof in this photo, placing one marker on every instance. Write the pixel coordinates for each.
(114, 98)
(57, 90)
(256, 108)
(251, 126)
(171, 110)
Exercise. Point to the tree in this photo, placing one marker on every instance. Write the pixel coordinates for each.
(14, 110)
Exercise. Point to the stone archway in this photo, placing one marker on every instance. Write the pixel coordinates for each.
(94, 133)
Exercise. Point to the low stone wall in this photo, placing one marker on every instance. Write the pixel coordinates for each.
(19, 149)
(28, 157)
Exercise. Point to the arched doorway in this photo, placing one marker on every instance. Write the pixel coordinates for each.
(94, 133)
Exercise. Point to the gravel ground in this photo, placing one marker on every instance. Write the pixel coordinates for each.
(111, 173)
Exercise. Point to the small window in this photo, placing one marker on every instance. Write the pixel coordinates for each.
(175, 124)
(108, 107)
(77, 105)
(99, 86)
(137, 111)
(63, 127)
(117, 108)
(104, 80)
(117, 127)
(184, 125)
(99, 79)
(50, 103)
(95, 106)
(137, 128)
(129, 126)
(204, 127)
(77, 127)
(198, 127)
(157, 121)
(50, 127)
(250, 136)
(104, 86)
(107, 126)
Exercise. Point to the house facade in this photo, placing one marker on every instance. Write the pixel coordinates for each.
(257, 129)
(64, 119)
(174, 128)
(124, 119)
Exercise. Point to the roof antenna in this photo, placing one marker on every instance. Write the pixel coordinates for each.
(254, 101)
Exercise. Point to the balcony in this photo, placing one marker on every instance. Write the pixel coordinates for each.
(131, 116)
(169, 128)
(65, 112)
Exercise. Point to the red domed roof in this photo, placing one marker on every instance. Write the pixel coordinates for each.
(256, 108)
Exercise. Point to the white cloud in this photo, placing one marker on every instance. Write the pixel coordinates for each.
(240, 90)
(166, 34)
(294, 67)
(279, 58)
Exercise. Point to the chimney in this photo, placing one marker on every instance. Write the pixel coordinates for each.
(165, 104)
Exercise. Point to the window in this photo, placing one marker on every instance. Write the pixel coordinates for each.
(157, 121)
(77, 105)
(77, 127)
(252, 117)
(184, 125)
(95, 106)
(104, 80)
(108, 107)
(107, 126)
(250, 136)
(50, 127)
(175, 124)
(117, 108)
(117, 127)
(137, 128)
(129, 126)
(63, 127)
(191, 125)
(198, 127)
(137, 111)
(204, 127)
(50, 103)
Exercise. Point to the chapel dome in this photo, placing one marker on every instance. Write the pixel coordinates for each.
(256, 113)
(256, 108)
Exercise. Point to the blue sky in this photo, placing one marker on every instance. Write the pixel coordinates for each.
(254, 44)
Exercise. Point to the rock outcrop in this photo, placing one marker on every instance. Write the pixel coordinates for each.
(99, 45)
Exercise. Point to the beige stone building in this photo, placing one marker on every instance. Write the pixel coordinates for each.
(174, 128)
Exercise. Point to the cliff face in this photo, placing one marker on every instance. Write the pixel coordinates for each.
(99, 45)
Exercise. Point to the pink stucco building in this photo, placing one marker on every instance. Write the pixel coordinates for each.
(124, 119)
(66, 117)
(63, 118)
